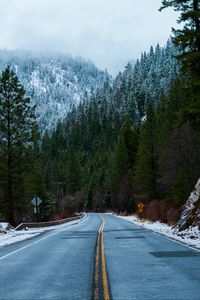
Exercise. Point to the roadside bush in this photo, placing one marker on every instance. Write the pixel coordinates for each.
(162, 211)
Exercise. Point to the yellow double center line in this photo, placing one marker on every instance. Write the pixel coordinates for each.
(100, 264)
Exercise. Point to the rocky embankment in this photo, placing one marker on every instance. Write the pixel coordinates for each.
(190, 216)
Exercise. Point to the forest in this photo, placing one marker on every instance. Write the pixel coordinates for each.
(134, 138)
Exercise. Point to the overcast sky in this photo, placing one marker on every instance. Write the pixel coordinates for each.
(108, 32)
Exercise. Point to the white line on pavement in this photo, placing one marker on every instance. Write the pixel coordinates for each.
(46, 237)
(161, 234)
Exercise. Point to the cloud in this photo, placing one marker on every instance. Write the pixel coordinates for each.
(109, 32)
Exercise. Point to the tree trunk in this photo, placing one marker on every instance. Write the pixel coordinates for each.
(10, 200)
(197, 22)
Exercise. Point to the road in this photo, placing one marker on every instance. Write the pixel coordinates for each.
(143, 265)
(58, 266)
(66, 264)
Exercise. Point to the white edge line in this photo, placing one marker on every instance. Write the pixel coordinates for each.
(46, 237)
(163, 235)
(176, 241)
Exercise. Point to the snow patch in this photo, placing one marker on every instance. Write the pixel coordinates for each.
(11, 236)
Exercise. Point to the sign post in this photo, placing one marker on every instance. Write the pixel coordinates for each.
(140, 209)
(36, 201)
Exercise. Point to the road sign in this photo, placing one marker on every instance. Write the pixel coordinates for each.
(140, 207)
(36, 210)
(36, 201)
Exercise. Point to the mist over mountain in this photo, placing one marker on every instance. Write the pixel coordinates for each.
(54, 82)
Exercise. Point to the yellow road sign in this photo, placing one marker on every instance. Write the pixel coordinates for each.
(140, 207)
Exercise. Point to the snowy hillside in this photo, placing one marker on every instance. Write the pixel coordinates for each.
(149, 78)
(55, 82)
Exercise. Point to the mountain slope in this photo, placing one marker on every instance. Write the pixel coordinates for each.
(55, 83)
(147, 80)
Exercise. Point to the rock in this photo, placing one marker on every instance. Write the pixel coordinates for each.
(5, 226)
(191, 211)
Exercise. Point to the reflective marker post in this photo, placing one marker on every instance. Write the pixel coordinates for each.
(37, 214)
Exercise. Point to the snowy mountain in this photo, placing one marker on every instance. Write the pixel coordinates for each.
(55, 83)
(148, 79)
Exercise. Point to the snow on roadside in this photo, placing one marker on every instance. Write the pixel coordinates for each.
(189, 236)
(5, 226)
(11, 236)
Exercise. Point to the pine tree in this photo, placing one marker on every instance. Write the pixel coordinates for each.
(74, 173)
(146, 160)
(119, 162)
(130, 134)
(188, 38)
(17, 134)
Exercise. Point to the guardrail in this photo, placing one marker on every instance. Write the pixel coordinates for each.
(46, 224)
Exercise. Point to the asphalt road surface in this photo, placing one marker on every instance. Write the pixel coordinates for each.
(60, 264)
(143, 265)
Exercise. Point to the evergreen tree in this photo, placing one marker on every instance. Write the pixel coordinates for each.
(146, 160)
(188, 38)
(74, 173)
(130, 134)
(17, 136)
(104, 131)
(119, 162)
